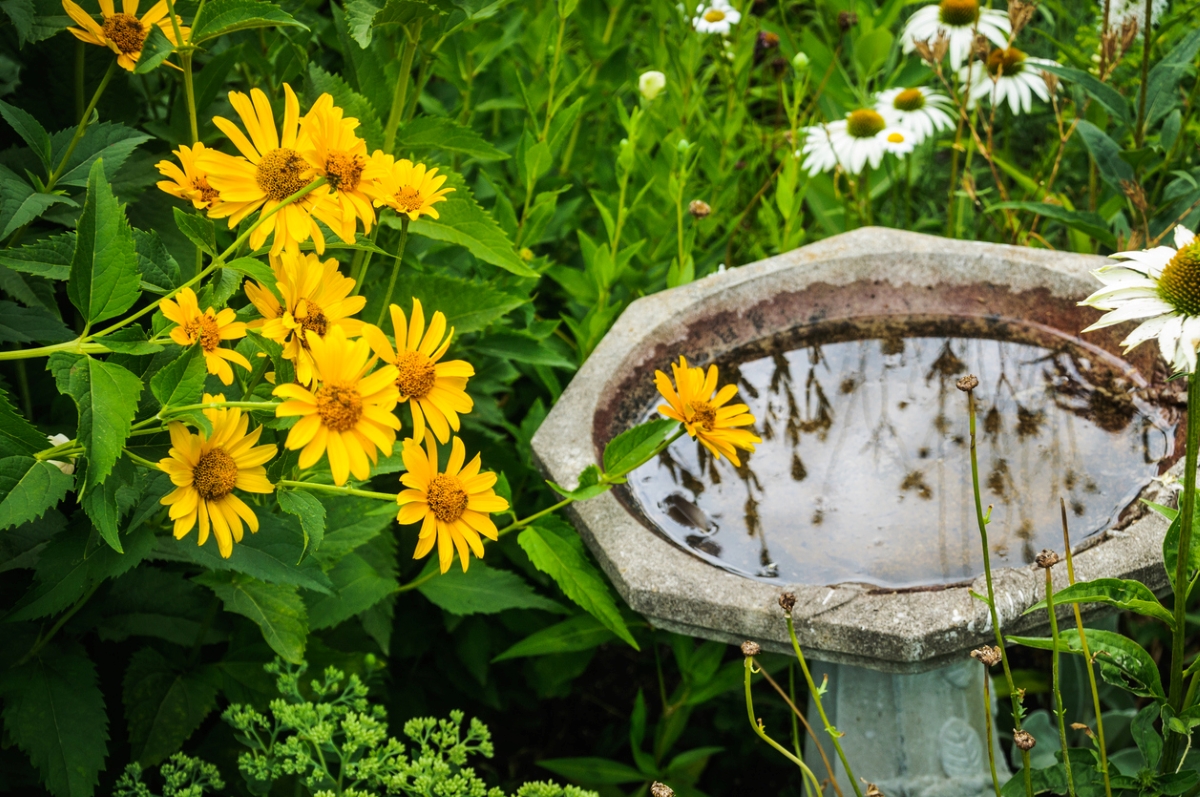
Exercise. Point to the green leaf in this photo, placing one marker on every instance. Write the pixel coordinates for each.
(181, 382)
(31, 324)
(104, 271)
(112, 500)
(28, 488)
(1162, 84)
(275, 608)
(49, 257)
(1128, 595)
(354, 104)
(156, 602)
(358, 583)
(447, 135)
(1107, 155)
(20, 548)
(1123, 662)
(589, 485)
(351, 523)
(110, 141)
(555, 551)
(365, 17)
(630, 448)
(1086, 222)
(54, 710)
(1145, 736)
(155, 50)
(1171, 551)
(582, 632)
(593, 771)
(160, 271)
(468, 305)
(20, 204)
(198, 229)
(311, 513)
(30, 130)
(131, 340)
(106, 396)
(163, 705)
(483, 590)
(17, 435)
(463, 222)
(219, 17)
(524, 349)
(871, 50)
(1103, 93)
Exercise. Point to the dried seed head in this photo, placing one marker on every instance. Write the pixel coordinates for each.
(989, 655)
(847, 19)
(1136, 194)
(1079, 726)
(980, 49)
(1024, 740)
(1129, 33)
(967, 383)
(661, 790)
(1019, 14)
(699, 209)
(787, 601)
(751, 648)
(1046, 559)
(1051, 82)
(872, 789)
(1108, 44)
(941, 45)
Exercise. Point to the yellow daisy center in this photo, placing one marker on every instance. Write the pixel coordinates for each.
(1179, 285)
(339, 406)
(1010, 60)
(280, 173)
(714, 15)
(959, 13)
(209, 195)
(215, 475)
(447, 497)
(896, 138)
(416, 374)
(342, 171)
(203, 328)
(125, 31)
(408, 199)
(704, 414)
(909, 100)
(864, 123)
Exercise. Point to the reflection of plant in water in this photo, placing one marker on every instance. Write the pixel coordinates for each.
(1029, 422)
(914, 481)
(946, 365)
(799, 472)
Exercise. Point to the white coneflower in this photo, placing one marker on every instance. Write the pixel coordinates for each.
(651, 84)
(959, 20)
(1122, 11)
(1160, 287)
(717, 17)
(920, 110)
(863, 137)
(1008, 74)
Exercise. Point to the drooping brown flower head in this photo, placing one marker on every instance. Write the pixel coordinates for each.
(1024, 740)
(967, 383)
(1046, 559)
(750, 648)
(699, 209)
(787, 601)
(661, 790)
(988, 655)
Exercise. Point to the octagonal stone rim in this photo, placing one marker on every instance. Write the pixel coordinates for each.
(847, 623)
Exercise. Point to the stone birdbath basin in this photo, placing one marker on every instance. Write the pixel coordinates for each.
(859, 499)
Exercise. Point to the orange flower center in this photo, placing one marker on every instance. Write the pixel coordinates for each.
(280, 173)
(447, 497)
(909, 100)
(215, 475)
(1179, 285)
(408, 199)
(416, 376)
(704, 415)
(339, 406)
(1010, 61)
(313, 319)
(959, 13)
(714, 15)
(203, 328)
(343, 171)
(125, 31)
(209, 195)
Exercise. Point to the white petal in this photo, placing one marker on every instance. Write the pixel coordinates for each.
(1145, 331)
(1183, 236)
(1168, 338)
(1139, 308)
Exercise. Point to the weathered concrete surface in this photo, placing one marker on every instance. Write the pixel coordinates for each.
(869, 271)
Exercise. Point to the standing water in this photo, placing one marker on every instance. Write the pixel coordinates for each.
(864, 474)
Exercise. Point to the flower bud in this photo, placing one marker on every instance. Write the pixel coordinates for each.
(1046, 559)
(787, 601)
(526, 254)
(1024, 740)
(751, 648)
(800, 62)
(699, 208)
(651, 84)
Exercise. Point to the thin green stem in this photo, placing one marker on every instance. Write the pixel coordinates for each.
(189, 91)
(145, 463)
(332, 488)
(1147, 39)
(987, 713)
(387, 298)
(1186, 511)
(400, 94)
(82, 127)
(362, 259)
(1055, 684)
(808, 776)
(562, 27)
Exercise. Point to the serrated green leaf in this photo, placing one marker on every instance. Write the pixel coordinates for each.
(358, 585)
(20, 204)
(155, 50)
(156, 602)
(17, 435)
(589, 485)
(163, 705)
(110, 141)
(255, 269)
(1124, 594)
(468, 305)
(552, 552)
(54, 710)
(29, 129)
(104, 271)
(181, 382)
(28, 488)
(524, 349)
(349, 524)
(131, 340)
(160, 271)
(483, 590)
(112, 500)
(631, 447)
(21, 547)
(219, 17)
(276, 609)
(311, 514)
(106, 396)
(49, 257)
(364, 17)
(354, 104)
(198, 229)
(30, 325)
(447, 135)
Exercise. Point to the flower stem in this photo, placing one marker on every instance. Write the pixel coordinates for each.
(387, 299)
(1056, 685)
(82, 127)
(809, 777)
(1140, 133)
(1187, 508)
(987, 713)
(400, 97)
(332, 488)
(216, 405)
(145, 463)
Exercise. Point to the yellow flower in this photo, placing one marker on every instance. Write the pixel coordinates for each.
(271, 170)
(403, 187)
(316, 298)
(207, 328)
(704, 415)
(434, 390)
(349, 414)
(337, 154)
(189, 183)
(206, 470)
(122, 33)
(452, 506)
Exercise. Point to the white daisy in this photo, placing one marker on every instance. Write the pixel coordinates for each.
(1121, 11)
(959, 20)
(1009, 75)
(863, 137)
(717, 17)
(921, 111)
(1161, 286)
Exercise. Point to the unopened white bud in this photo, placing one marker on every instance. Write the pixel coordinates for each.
(651, 84)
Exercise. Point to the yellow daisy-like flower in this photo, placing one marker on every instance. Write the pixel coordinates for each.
(206, 470)
(452, 506)
(189, 183)
(405, 188)
(208, 328)
(349, 414)
(340, 156)
(435, 391)
(270, 171)
(692, 402)
(122, 33)
(316, 299)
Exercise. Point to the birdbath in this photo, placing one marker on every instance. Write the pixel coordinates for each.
(859, 498)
